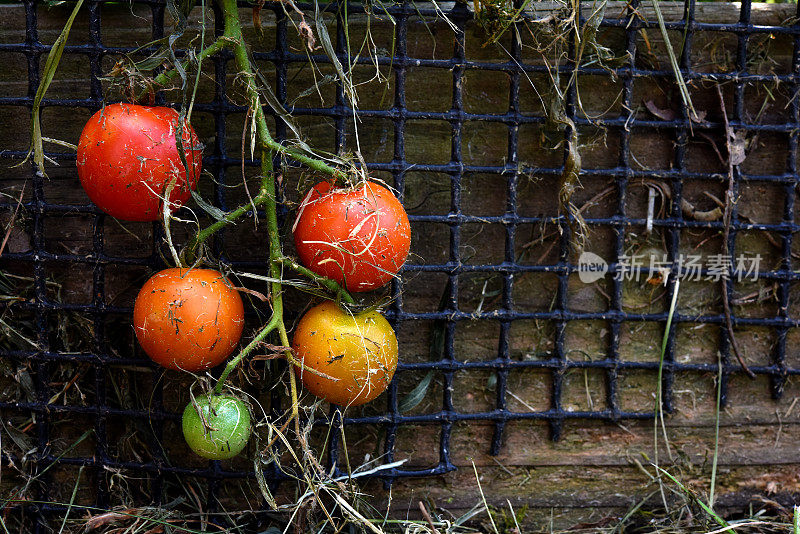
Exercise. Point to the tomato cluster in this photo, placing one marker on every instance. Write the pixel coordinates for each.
(132, 160)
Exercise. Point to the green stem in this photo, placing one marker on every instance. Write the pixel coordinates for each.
(233, 31)
(189, 254)
(327, 283)
(168, 75)
(233, 362)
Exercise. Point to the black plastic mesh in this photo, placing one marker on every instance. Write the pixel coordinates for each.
(98, 360)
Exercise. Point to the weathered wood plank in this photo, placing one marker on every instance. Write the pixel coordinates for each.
(568, 480)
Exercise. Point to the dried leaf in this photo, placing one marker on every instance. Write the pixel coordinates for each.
(737, 148)
(697, 116)
(109, 518)
(663, 114)
(214, 211)
(257, 15)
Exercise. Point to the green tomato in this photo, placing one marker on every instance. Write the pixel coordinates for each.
(226, 429)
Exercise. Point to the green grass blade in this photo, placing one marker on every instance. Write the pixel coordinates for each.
(50, 66)
(687, 99)
(702, 505)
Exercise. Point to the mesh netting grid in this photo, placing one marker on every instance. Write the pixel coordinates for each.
(504, 282)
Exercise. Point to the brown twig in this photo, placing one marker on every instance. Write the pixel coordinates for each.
(726, 221)
(13, 218)
(427, 517)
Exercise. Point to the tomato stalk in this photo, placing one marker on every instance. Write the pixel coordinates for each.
(189, 253)
(331, 285)
(233, 31)
(233, 362)
(169, 75)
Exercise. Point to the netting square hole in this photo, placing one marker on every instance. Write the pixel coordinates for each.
(651, 149)
(486, 92)
(375, 86)
(318, 131)
(417, 339)
(694, 396)
(529, 390)
(770, 53)
(531, 339)
(428, 141)
(307, 86)
(476, 340)
(419, 96)
(68, 122)
(535, 292)
(126, 239)
(373, 136)
(473, 390)
(767, 153)
(535, 147)
(583, 390)
(596, 198)
(70, 331)
(482, 244)
(599, 96)
(697, 343)
(419, 391)
(69, 234)
(71, 435)
(537, 194)
(69, 283)
(484, 143)
(422, 291)
(20, 115)
(15, 67)
(480, 292)
(584, 296)
(428, 193)
(429, 38)
(761, 202)
(636, 390)
(418, 444)
(483, 194)
(586, 340)
(361, 447)
(430, 243)
(640, 341)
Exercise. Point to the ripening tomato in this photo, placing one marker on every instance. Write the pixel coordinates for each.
(358, 354)
(188, 319)
(222, 431)
(128, 155)
(358, 236)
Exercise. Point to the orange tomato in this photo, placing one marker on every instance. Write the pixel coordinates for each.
(357, 353)
(188, 319)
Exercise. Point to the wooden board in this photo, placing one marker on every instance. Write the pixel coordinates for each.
(591, 474)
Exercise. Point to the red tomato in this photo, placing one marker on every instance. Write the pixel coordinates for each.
(358, 236)
(356, 353)
(127, 155)
(188, 319)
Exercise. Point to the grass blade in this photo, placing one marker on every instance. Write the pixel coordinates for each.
(702, 505)
(50, 66)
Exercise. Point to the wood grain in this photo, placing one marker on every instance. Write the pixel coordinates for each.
(592, 472)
